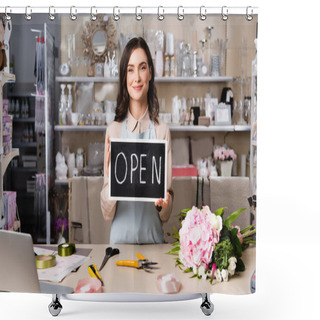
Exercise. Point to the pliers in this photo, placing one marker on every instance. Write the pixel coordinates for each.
(141, 263)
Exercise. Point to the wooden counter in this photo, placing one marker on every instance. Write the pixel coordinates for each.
(127, 279)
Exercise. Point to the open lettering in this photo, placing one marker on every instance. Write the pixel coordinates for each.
(138, 170)
(137, 166)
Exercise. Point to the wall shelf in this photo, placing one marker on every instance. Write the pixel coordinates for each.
(157, 79)
(231, 128)
(80, 128)
(173, 128)
(31, 120)
(25, 144)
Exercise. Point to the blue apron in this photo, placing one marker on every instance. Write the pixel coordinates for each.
(136, 222)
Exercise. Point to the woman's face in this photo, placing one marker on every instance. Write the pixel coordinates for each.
(138, 76)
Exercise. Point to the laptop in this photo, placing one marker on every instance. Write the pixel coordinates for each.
(18, 271)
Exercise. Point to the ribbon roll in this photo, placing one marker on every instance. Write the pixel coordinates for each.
(168, 283)
(45, 261)
(66, 249)
(90, 285)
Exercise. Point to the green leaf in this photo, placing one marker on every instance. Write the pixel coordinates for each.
(176, 244)
(240, 265)
(220, 211)
(194, 276)
(185, 210)
(224, 234)
(233, 216)
(178, 263)
(236, 242)
(247, 229)
(175, 234)
(249, 242)
(188, 270)
(174, 251)
(249, 233)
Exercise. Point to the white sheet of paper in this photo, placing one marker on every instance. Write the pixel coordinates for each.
(64, 265)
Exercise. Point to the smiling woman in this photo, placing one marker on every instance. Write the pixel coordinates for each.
(134, 220)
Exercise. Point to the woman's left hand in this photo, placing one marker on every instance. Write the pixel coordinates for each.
(163, 203)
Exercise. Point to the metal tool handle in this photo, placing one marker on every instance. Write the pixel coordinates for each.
(128, 263)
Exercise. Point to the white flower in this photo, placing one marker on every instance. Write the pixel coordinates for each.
(224, 274)
(202, 272)
(215, 221)
(217, 275)
(232, 265)
(232, 259)
(195, 270)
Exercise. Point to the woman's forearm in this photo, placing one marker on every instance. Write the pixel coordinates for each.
(108, 207)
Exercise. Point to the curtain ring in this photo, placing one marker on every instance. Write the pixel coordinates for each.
(224, 13)
(160, 16)
(203, 13)
(249, 16)
(28, 13)
(180, 15)
(52, 10)
(93, 16)
(73, 15)
(138, 16)
(7, 16)
(116, 16)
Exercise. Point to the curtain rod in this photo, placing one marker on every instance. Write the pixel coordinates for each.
(139, 11)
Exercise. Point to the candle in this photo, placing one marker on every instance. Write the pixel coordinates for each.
(170, 44)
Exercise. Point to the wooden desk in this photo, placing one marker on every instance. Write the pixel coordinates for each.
(127, 279)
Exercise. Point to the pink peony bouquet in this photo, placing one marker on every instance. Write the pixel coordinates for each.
(208, 246)
(224, 154)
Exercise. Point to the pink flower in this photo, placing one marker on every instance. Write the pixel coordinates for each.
(197, 239)
(222, 154)
(214, 268)
(239, 235)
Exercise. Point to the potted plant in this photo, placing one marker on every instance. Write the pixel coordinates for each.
(225, 157)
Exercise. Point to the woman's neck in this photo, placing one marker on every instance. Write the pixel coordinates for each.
(137, 109)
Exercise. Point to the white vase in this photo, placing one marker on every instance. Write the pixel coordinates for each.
(226, 168)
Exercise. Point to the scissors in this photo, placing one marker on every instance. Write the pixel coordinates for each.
(110, 252)
(141, 263)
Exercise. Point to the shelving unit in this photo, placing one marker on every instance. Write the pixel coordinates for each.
(4, 159)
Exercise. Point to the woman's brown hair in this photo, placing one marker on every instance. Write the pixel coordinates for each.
(123, 98)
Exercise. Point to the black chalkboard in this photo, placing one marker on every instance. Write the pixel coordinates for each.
(137, 169)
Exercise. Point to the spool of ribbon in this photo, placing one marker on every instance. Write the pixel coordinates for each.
(45, 261)
(88, 285)
(66, 249)
(167, 283)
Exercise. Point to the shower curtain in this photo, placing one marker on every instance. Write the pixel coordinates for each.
(205, 75)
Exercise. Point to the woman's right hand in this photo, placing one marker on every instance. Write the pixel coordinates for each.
(107, 156)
